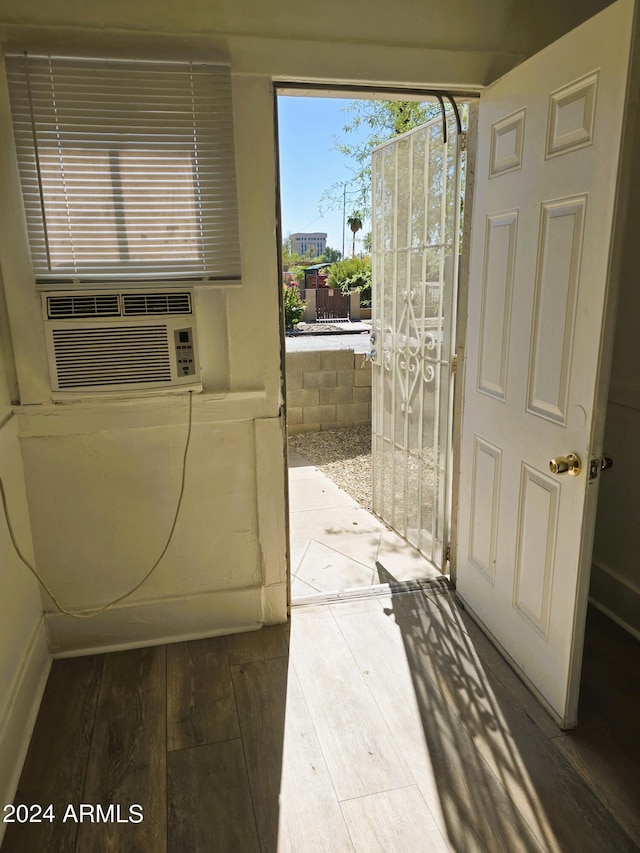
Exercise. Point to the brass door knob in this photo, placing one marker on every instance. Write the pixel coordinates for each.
(569, 464)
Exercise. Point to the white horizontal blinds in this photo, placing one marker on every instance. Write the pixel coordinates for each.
(127, 168)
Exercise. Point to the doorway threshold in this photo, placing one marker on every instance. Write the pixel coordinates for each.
(441, 584)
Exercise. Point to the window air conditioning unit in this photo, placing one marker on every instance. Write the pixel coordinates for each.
(105, 343)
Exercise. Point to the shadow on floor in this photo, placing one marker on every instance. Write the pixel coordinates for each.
(499, 761)
(385, 724)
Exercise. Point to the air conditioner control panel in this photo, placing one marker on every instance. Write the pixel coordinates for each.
(183, 341)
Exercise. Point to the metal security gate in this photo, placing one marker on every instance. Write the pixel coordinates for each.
(416, 213)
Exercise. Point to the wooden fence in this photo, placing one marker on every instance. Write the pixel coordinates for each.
(331, 304)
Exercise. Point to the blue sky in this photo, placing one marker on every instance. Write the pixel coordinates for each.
(309, 165)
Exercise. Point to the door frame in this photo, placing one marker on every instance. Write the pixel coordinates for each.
(349, 91)
(464, 272)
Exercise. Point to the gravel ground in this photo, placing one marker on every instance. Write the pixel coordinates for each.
(344, 455)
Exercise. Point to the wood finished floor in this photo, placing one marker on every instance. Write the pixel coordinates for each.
(380, 724)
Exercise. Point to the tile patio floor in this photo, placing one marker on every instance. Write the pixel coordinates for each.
(336, 544)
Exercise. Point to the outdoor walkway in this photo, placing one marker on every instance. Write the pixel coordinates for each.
(333, 336)
(336, 544)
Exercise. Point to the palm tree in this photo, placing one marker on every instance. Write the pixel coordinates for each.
(355, 223)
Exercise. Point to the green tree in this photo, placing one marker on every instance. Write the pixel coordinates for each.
(297, 274)
(355, 224)
(330, 256)
(289, 257)
(352, 274)
(385, 119)
(293, 305)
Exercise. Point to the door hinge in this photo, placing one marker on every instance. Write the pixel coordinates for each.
(454, 363)
(463, 140)
(447, 554)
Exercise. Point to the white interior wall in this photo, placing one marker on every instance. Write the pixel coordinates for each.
(615, 577)
(506, 28)
(24, 659)
(101, 478)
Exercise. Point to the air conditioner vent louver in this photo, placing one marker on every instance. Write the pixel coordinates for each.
(138, 304)
(111, 356)
(71, 306)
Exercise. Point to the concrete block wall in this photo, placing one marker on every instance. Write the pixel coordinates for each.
(327, 390)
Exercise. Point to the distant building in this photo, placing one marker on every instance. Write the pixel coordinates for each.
(302, 244)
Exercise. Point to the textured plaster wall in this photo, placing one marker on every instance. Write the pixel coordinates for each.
(103, 477)
(24, 659)
(495, 28)
(615, 580)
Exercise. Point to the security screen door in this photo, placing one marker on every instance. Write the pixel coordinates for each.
(416, 209)
(542, 272)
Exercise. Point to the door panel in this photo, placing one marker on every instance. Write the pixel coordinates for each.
(416, 187)
(549, 142)
(555, 301)
(497, 287)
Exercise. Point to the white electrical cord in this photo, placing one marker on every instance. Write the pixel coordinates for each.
(87, 614)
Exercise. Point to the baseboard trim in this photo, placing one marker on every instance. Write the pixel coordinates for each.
(20, 712)
(274, 604)
(615, 597)
(614, 618)
(155, 622)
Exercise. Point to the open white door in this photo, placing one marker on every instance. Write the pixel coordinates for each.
(546, 202)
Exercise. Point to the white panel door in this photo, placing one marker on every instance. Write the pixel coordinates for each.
(416, 192)
(545, 204)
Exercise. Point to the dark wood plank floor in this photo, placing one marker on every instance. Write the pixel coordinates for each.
(379, 724)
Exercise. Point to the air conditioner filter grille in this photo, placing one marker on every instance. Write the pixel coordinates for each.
(72, 306)
(111, 356)
(137, 304)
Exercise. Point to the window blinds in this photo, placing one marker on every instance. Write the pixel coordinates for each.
(127, 169)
